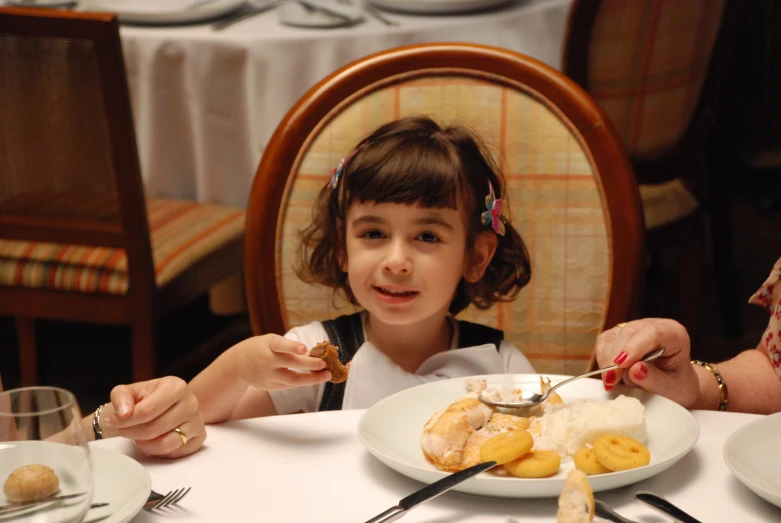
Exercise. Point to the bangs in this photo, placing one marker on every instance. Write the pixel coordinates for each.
(405, 171)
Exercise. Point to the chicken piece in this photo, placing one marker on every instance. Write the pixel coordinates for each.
(330, 354)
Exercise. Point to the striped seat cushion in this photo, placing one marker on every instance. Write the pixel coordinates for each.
(182, 232)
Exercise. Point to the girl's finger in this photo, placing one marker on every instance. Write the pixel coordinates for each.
(282, 345)
(292, 361)
(290, 378)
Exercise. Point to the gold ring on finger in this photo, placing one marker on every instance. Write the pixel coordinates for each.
(620, 325)
(181, 435)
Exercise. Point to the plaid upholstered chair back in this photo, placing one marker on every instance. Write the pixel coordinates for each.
(645, 64)
(571, 191)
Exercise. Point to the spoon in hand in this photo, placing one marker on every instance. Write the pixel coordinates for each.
(530, 399)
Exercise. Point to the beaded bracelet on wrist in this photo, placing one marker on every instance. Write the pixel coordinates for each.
(723, 392)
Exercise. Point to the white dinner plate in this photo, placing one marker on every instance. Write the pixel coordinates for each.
(117, 479)
(391, 431)
(751, 453)
(144, 12)
(439, 6)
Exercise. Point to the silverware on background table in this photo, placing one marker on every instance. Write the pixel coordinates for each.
(606, 512)
(665, 507)
(430, 492)
(243, 13)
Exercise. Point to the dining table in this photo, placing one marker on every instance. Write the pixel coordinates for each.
(206, 101)
(313, 468)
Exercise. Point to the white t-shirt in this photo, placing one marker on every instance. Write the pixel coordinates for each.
(373, 376)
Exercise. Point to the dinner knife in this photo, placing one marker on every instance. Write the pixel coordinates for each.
(430, 492)
(665, 507)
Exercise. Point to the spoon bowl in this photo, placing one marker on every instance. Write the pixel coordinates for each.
(531, 399)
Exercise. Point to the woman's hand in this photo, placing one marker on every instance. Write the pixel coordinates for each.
(670, 375)
(148, 412)
(267, 362)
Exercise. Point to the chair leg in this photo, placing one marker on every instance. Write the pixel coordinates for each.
(144, 337)
(28, 351)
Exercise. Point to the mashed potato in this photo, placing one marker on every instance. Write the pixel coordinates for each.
(567, 429)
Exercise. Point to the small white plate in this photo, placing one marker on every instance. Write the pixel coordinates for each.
(298, 15)
(117, 479)
(441, 7)
(133, 12)
(751, 453)
(391, 431)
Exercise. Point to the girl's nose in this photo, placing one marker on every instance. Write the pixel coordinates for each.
(397, 260)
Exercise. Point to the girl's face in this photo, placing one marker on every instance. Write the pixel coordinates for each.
(404, 262)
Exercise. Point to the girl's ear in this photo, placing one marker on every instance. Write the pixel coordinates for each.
(482, 254)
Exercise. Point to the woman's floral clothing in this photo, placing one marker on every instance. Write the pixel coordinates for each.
(769, 296)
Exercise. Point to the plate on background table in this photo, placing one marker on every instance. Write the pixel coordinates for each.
(308, 13)
(752, 454)
(163, 11)
(40, 3)
(442, 7)
(392, 428)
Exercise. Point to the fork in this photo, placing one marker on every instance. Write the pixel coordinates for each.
(157, 500)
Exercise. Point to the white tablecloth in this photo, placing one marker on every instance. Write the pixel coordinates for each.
(206, 102)
(312, 468)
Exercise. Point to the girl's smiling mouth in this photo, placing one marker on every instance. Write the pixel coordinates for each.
(394, 295)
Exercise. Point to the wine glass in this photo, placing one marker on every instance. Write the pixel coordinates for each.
(41, 427)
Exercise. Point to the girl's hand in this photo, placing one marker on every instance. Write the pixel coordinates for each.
(670, 375)
(266, 362)
(149, 411)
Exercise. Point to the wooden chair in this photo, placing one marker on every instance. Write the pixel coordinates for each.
(657, 68)
(78, 239)
(573, 195)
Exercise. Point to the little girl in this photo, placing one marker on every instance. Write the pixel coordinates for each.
(412, 229)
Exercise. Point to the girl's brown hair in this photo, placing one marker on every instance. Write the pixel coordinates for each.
(415, 161)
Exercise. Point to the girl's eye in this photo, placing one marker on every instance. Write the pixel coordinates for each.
(372, 235)
(429, 237)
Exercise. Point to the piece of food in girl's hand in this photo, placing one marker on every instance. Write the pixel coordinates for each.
(330, 354)
(31, 483)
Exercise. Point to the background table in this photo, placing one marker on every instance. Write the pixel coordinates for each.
(313, 468)
(206, 102)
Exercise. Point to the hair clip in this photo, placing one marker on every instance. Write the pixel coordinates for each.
(337, 172)
(493, 215)
(339, 168)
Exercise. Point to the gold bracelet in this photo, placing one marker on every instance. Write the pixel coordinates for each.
(723, 392)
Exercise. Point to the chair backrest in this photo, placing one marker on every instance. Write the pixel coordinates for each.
(69, 170)
(644, 63)
(571, 189)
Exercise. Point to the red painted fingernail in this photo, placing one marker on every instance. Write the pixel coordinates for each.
(610, 377)
(609, 386)
(641, 373)
(621, 358)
